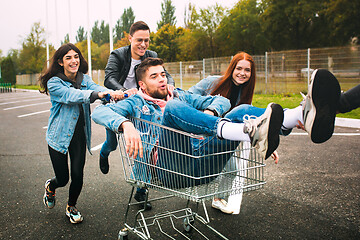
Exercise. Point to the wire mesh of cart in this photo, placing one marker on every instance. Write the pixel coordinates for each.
(193, 167)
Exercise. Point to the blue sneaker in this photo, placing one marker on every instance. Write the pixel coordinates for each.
(49, 196)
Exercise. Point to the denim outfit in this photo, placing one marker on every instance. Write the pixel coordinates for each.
(65, 111)
(180, 113)
(205, 86)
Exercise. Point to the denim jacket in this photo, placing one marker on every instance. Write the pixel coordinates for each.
(206, 85)
(65, 111)
(113, 115)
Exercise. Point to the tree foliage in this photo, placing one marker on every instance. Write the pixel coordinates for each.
(294, 24)
(250, 25)
(240, 30)
(81, 34)
(203, 26)
(167, 14)
(8, 72)
(344, 19)
(100, 34)
(166, 42)
(123, 41)
(124, 23)
(33, 54)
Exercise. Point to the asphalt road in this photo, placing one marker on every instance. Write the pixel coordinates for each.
(313, 193)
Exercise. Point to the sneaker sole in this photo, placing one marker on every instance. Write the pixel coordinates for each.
(275, 123)
(325, 94)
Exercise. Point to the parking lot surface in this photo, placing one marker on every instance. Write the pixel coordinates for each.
(312, 193)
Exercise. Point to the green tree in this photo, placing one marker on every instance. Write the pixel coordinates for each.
(8, 73)
(14, 55)
(203, 26)
(122, 42)
(166, 42)
(32, 56)
(167, 14)
(81, 34)
(344, 19)
(241, 30)
(100, 34)
(66, 39)
(294, 24)
(124, 23)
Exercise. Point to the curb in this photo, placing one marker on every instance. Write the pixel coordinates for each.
(347, 122)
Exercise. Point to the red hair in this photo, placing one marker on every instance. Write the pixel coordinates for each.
(225, 83)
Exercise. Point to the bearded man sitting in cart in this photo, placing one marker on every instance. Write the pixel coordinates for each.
(159, 103)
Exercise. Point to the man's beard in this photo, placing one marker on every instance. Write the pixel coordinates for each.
(159, 94)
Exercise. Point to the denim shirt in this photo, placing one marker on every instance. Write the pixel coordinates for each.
(64, 113)
(206, 85)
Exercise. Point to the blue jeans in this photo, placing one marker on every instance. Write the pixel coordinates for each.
(110, 144)
(173, 119)
(184, 161)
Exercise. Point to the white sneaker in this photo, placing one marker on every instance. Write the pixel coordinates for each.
(221, 204)
(264, 130)
(320, 105)
(73, 214)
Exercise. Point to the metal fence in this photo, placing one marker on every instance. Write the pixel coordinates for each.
(276, 72)
(279, 72)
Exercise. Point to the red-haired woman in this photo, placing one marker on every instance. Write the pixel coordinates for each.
(316, 115)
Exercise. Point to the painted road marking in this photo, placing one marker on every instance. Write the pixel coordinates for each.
(28, 100)
(34, 113)
(97, 147)
(22, 106)
(334, 134)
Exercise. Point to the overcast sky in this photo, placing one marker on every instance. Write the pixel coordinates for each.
(17, 16)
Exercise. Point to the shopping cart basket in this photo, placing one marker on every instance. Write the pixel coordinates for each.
(193, 167)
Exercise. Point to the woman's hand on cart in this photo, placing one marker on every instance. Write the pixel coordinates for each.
(132, 140)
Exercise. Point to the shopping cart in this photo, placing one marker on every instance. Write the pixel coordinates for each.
(193, 167)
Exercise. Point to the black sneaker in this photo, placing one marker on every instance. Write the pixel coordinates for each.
(264, 130)
(140, 197)
(320, 105)
(104, 164)
(73, 214)
(49, 196)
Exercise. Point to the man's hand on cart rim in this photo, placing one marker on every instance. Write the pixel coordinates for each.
(132, 139)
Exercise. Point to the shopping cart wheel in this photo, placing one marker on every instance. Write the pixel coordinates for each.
(123, 234)
(187, 223)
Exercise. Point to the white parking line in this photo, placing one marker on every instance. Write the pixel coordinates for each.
(97, 147)
(22, 106)
(27, 100)
(334, 134)
(34, 113)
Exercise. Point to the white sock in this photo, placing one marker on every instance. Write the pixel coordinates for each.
(232, 131)
(291, 118)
